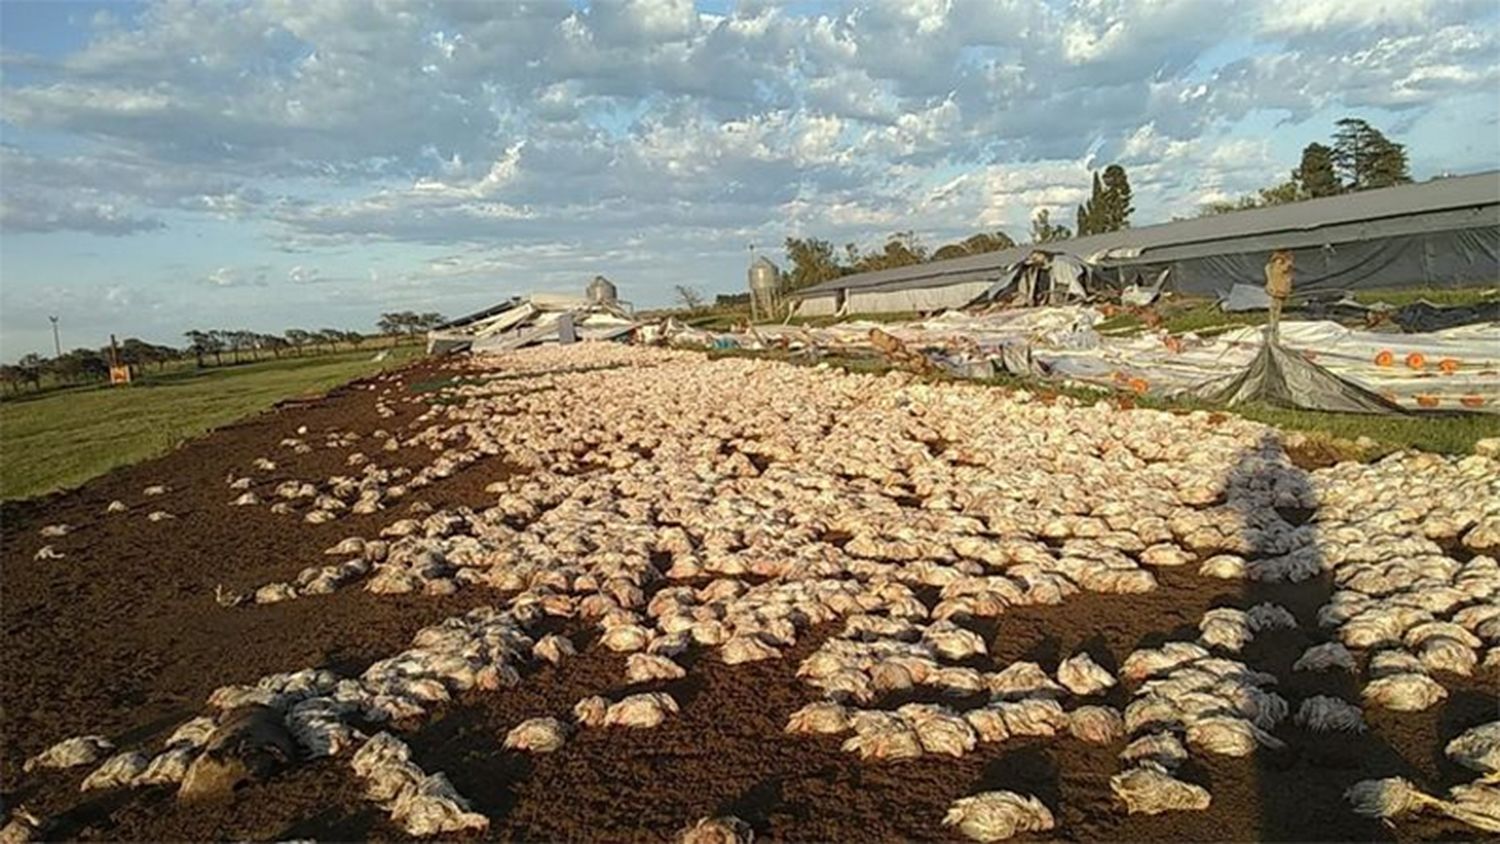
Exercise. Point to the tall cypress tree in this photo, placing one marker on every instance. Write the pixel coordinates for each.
(1117, 199)
(1093, 214)
(1366, 158)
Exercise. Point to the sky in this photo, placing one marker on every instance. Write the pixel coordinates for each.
(271, 164)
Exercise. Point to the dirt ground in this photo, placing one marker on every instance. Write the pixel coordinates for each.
(123, 637)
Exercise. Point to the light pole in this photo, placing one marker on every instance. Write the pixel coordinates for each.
(56, 342)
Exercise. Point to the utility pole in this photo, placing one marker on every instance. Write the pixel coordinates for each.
(56, 341)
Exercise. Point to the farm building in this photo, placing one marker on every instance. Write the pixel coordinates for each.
(1444, 232)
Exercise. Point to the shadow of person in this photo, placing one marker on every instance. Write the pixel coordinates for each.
(1299, 788)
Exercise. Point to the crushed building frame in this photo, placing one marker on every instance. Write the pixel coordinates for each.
(1443, 232)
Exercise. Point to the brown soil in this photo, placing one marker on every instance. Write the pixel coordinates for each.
(123, 637)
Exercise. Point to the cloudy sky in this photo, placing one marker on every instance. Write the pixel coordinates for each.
(315, 162)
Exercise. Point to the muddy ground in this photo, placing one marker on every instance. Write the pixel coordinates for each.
(123, 637)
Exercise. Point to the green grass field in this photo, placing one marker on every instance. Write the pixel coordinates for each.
(61, 438)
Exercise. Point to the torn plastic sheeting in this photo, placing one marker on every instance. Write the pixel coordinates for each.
(1425, 316)
(1282, 377)
(1245, 297)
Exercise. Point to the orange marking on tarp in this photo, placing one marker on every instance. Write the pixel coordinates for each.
(1472, 401)
(1386, 357)
(1448, 365)
(1416, 360)
(1427, 401)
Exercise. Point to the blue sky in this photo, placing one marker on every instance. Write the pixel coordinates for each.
(271, 164)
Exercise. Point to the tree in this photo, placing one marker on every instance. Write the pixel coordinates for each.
(136, 352)
(1043, 231)
(1280, 194)
(1117, 195)
(391, 323)
(1108, 207)
(297, 338)
(198, 344)
(81, 365)
(690, 297)
(11, 374)
(239, 340)
(811, 261)
(901, 249)
(331, 336)
(216, 344)
(1090, 217)
(988, 242)
(1314, 176)
(977, 244)
(31, 366)
(273, 342)
(1225, 206)
(1365, 158)
(429, 321)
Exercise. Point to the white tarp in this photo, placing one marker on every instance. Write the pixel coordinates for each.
(1454, 369)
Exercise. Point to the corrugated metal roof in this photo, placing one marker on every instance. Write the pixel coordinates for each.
(1377, 209)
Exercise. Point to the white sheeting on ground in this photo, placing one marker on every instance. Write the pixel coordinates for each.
(1454, 369)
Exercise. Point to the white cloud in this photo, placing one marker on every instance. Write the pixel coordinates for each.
(302, 275)
(225, 278)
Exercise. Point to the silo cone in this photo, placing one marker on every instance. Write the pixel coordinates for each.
(1283, 377)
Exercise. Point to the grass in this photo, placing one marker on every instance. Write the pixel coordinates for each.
(1446, 296)
(62, 438)
(1204, 318)
(1340, 434)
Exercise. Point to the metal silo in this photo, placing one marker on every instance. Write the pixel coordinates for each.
(765, 289)
(601, 291)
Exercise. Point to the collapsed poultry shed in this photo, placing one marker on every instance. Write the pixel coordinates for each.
(1443, 232)
(1043, 277)
(535, 319)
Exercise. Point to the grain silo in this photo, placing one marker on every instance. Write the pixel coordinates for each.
(765, 289)
(601, 291)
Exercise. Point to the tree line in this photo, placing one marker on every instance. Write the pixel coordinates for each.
(1359, 157)
(812, 260)
(204, 348)
(238, 343)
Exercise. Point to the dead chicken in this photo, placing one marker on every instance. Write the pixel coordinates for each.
(1477, 749)
(553, 648)
(724, 829)
(1325, 657)
(1405, 692)
(1162, 748)
(118, 771)
(646, 668)
(1082, 676)
(1148, 789)
(823, 717)
(70, 753)
(998, 815)
(591, 711)
(1322, 714)
(1096, 724)
(644, 710)
(537, 735)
